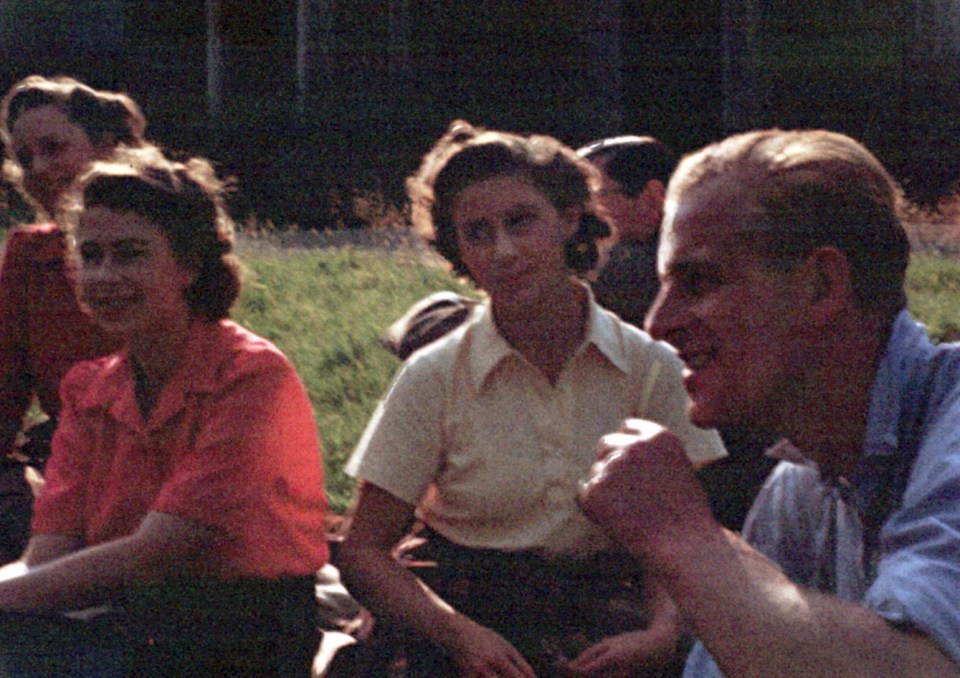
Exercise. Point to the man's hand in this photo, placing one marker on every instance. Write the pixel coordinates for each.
(643, 490)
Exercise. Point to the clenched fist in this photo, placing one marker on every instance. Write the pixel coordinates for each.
(643, 492)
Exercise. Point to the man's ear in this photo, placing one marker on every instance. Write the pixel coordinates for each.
(656, 189)
(829, 284)
(654, 193)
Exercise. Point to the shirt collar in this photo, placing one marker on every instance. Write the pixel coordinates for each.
(113, 389)
(487, 348)
(903, 362)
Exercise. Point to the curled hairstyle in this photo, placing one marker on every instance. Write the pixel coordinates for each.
(805, 189)
(632, 161)
(466, 155)
(186, 202)
(105, 117)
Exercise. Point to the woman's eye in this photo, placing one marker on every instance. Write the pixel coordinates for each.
(519, 222)
(90, 255)
(476, 232)
(699, 284)
(126, 255)
(52, 148)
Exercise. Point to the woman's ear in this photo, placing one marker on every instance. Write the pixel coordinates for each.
(570, 222)
(104, 148)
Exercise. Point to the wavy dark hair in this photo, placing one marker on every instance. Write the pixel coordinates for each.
(186, 202)
(466, 154)
(104, 116)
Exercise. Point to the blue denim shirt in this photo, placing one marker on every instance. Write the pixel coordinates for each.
(821, 531)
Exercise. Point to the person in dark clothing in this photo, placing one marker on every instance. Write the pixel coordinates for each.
(634, 171)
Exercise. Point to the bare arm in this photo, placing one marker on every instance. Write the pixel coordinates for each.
(381, 583)
(639, 652)
(751, 617)
(43, 548)
(78, 578)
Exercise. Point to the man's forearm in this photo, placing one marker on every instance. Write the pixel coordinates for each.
(756, 622)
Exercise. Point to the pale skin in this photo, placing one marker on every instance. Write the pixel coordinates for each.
(511, 239)
(809, 380)
(638, 216)
(131, 281)
(53, 151)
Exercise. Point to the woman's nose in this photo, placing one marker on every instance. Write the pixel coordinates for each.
(504, 245)
(39, 164)
(102, 270)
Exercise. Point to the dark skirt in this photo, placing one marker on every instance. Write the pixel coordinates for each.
(193, 628)
(547, 608)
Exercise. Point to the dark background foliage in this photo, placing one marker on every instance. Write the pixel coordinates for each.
(378, 80)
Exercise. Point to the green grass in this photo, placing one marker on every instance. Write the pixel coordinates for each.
(933, 291)
(326, 309)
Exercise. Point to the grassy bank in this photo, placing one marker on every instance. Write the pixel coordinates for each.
(933, 291)
(327, 309)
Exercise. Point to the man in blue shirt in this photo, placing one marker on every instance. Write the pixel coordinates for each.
(782, 265)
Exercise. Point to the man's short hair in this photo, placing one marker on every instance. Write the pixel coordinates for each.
(805, 189)
(632, 161)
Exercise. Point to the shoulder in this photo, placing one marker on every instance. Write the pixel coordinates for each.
(26, 235)
(443, 353)
(92, 381)
(232, 351)
(36, 231)
(636, 344)
(426, 321)
(35, 238)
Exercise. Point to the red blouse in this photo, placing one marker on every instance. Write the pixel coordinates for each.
(231, 444)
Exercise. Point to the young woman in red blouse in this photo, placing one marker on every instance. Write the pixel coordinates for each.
(185, 488)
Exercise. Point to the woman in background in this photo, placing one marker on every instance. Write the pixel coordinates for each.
(185, 488)
(52, 130)
(485, 433)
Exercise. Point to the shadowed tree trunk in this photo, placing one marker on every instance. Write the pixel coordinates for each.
(398, 37)
(931, 95)
(605, 65)
(739, 89)
(315, 46)
(214, 59)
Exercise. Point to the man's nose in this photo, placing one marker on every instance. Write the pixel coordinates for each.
(664, 314)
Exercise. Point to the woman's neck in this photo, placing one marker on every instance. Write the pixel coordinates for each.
(549, 335)
(155, 359)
